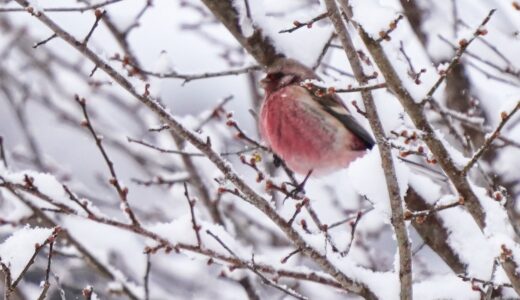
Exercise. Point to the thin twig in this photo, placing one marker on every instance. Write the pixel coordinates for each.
(122, 191)
(385, 35)
(99, 14)
(411, 71)
(162, 150)
(3, 157)
(47, 284)
(420, 216)
(159, 180)
(66, 9)
(286, 258)
(463, 45)
(215, 112)
(509, 70)
(505, 117)
(45, 41)
(135, 23)
(297, 24)
(195, 226)
(322, 227)
(361, 88)
(252, 266)
(73, 197)
(191, 154)
(353, 227)
(31, 260)
(350, 218)
(147, 277)
(324, 51)
(186, 77)
(248, 9)
(484, 282)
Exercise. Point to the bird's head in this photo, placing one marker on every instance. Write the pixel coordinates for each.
(284, 73)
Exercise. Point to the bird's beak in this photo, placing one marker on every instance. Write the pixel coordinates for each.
(265, 82)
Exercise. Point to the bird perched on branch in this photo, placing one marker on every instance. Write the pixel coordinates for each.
(308, 128)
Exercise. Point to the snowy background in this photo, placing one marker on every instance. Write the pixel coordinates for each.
(47, 146)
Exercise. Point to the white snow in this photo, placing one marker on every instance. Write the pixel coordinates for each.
(17, 249)
(367, 177)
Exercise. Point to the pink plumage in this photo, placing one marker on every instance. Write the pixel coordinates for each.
(308, 132)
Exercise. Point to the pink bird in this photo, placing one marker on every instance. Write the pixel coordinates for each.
(308, 132)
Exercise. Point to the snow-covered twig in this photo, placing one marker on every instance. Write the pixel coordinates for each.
(417, 115)
(396, 203)
(85, 253)
(12, 284)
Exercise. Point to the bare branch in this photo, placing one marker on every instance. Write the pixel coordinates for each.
(463, 45)
(297, 24)
(186, 77)
(385, 35)
(147, 277)
(67, 9)
(121, 191)
(99, 14)
(47, 284)
(191, 203)
(3, 157)
(45, 41)
(496, 133)
(253, 268)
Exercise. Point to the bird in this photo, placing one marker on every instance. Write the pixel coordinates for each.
(310, 130)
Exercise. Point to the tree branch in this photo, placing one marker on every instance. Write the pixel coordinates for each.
(396, 203)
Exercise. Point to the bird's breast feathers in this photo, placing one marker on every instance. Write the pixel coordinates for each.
(297, 128)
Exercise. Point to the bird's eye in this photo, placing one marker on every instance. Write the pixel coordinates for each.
(274, 76)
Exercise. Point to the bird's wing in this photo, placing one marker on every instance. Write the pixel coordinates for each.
(351, 124)
(335, 107)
